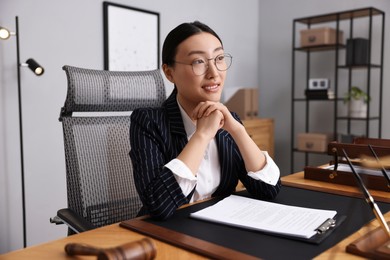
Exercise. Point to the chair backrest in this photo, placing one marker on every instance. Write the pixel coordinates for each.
(100, 185)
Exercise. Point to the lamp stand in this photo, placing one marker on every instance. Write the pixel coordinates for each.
(38, 71)
(21, 131)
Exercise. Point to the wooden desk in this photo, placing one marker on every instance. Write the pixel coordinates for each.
(113, 235)
(297, 180)
(108, 236)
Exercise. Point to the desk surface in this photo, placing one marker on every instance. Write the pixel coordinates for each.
(113, 235)
(108, 236)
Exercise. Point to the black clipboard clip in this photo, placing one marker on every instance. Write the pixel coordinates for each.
(328, 224)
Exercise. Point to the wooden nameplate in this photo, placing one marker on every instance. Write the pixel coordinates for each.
(345, 178)
(374, 245)
(359, 153)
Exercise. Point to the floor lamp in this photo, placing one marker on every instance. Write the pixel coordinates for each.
(38, 70)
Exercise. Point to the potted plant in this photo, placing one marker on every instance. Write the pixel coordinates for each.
(357, 101)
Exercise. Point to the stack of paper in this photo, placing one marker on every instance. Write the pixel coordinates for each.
(266, 216)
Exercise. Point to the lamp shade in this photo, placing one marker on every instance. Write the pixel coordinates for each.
(35, 67)
(4, 33)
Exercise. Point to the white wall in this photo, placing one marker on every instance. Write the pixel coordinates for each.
(70, 32)
(257, 33)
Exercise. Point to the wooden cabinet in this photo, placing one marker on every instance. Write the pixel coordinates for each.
(261, 130)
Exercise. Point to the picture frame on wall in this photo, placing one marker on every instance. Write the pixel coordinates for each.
(131, 38)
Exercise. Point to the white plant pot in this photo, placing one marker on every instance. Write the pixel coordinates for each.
(357, 108)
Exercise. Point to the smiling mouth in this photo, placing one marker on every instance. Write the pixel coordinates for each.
(211, 88)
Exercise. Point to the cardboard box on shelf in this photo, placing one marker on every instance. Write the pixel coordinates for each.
(314, 142)
(320, 36)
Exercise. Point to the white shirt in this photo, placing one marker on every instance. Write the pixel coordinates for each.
(208, 176)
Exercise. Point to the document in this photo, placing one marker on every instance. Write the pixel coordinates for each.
(266, 216)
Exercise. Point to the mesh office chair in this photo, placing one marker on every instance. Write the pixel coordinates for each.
(100, 185)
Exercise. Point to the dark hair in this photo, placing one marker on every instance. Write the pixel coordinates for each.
(178, 35)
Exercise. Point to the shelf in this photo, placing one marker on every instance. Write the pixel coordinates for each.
(307, 99)
(357, 13)
(373, 66)
(358, 118)
(300, 151)
(325, 47)
(303, 102)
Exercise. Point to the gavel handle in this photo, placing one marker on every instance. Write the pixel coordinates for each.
(140, 249)
(81, 249)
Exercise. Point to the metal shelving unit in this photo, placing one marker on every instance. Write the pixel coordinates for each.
(348, 20)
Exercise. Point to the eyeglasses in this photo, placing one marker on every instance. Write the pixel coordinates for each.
(200, 66)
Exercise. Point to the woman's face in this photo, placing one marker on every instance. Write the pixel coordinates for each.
(192, 88)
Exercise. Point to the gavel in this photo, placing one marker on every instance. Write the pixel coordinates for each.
(140, 249)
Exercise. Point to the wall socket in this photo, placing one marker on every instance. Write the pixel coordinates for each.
(319, 84)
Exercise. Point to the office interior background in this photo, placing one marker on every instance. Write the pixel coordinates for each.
(258, 33)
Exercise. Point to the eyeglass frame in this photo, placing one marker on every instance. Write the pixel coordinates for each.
(207, 64)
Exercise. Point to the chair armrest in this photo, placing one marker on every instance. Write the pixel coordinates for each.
(74, 221)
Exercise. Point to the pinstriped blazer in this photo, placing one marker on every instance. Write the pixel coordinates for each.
(157, 135)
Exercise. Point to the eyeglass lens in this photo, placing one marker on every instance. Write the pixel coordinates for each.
(222, 63)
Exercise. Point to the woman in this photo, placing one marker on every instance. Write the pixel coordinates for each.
(192, 147)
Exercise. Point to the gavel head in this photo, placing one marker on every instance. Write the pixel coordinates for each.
(141, 249)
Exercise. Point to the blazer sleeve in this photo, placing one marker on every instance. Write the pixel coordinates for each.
(256, 188)
(157, 187)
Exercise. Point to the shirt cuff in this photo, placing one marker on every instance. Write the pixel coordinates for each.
(183, 175)
(269, 174)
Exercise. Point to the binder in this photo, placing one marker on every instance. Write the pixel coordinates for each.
(357, 52)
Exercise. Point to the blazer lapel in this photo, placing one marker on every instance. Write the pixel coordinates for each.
(176, 124)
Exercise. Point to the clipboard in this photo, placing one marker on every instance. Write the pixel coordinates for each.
(277, 219)
(320, 236)
(316, 239)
